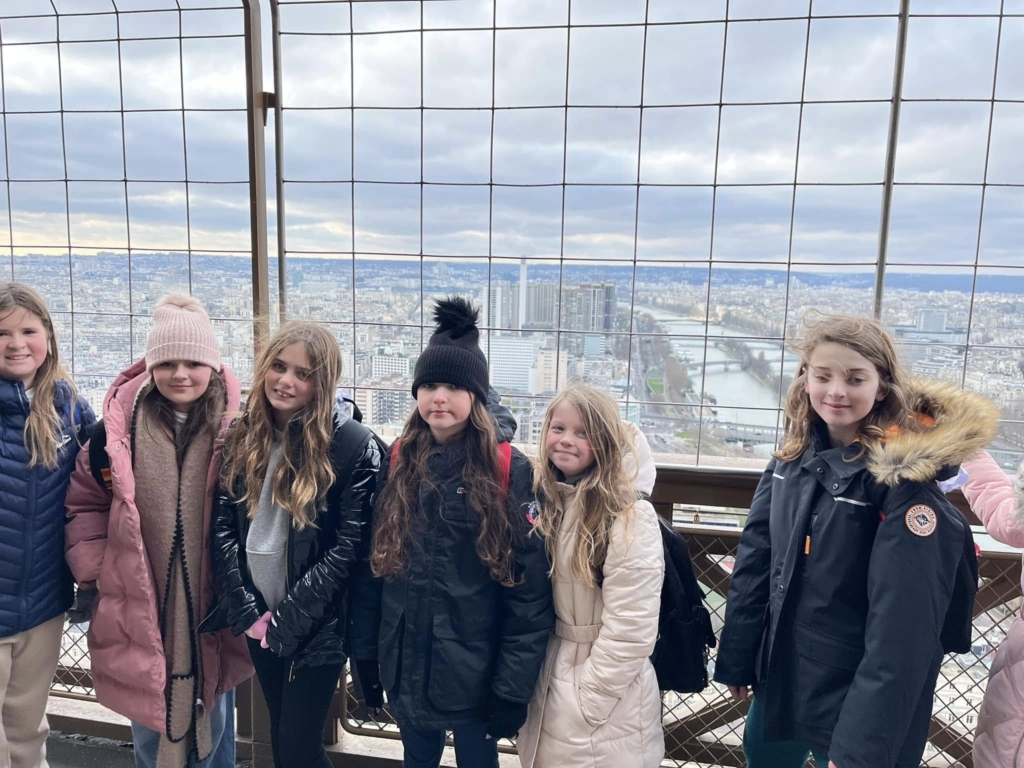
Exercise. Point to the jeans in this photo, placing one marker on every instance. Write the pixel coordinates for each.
(299, 703)
(222, 739)
(774, 754)
(423, 746)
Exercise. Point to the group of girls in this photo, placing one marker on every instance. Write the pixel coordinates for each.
(479, 592)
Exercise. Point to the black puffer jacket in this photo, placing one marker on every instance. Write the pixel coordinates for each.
(310, 623)
(446, 634)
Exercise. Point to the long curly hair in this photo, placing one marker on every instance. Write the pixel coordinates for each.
(305, 475)
(43, 425)
(398, 508)
(607, 491)
(869, 339)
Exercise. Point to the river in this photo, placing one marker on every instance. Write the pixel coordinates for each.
(733, 388)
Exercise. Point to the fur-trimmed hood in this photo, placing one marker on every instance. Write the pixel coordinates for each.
(964, 423)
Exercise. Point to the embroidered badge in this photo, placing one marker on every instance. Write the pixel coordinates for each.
(532, 511)
(921, 520)
(460, 490)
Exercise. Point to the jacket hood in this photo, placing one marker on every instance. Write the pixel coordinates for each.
(119, 402)
(642, 462)
(504, 421)
(964, 423)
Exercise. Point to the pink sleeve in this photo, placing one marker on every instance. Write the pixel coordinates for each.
(989, 491)
(85, 534)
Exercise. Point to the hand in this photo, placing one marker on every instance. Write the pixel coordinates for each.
(505, 718)
(832, 765)
(263, 643)
(373, 692)
(739, 692)
(258, 630)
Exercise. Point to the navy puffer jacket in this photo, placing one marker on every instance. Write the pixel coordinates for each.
(35, 583)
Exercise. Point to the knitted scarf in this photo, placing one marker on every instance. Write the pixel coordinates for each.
(171, 501)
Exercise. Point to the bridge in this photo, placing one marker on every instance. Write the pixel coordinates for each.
(748, 434)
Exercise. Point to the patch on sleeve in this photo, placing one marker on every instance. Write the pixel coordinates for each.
(533, 512)
(922, 520)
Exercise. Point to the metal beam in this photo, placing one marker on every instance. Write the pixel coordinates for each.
(256, 118)
(890, 153)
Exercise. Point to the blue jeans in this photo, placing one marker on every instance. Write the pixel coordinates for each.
(774, 754)
(423, 746)
(222, 738)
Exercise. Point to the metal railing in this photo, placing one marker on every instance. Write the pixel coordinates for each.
(702, 729)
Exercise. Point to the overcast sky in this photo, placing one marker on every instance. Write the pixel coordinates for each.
(674, 69)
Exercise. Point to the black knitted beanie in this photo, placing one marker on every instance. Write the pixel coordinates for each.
(453, 355)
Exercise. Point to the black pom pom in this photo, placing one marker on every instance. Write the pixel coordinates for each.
(456, 316)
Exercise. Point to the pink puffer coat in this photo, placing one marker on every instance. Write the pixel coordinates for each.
(103, 541)
(1000, 505)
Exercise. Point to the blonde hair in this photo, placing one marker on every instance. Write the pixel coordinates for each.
(43, 425)
(305, 475)
(486, 498)
(606, 493)
(870, 340)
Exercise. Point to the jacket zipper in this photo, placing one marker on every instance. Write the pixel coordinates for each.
(288, 585)
(30, 509)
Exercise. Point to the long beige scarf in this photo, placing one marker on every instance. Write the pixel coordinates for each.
(171, 504)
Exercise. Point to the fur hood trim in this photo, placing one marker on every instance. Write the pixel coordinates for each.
(964, 423)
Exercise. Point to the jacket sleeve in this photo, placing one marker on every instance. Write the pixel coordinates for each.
(748, 592)
(85, 419)
(236, 600)
(634, 570)
(528, 611)
(311, 598)
(910, 584)
(992, 497)
(88, 513)
(367, 592)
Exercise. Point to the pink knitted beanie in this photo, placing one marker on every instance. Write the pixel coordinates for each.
(181, 331)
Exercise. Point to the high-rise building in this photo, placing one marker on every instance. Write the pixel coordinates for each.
(382, 366)
(549, 369)
(501, 307)
(932, 320)
(588, 307)
(511, 359)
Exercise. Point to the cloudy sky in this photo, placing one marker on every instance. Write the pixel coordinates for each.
(533, 136)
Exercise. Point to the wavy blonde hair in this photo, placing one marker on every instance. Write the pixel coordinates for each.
(870, 340)
(607, 491)
(43, 425)
(486, 498)
(306, 474)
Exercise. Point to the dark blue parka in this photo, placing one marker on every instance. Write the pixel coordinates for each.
(35, 583)
(842, 583)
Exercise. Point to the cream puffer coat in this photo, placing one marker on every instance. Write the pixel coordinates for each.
(597, 702)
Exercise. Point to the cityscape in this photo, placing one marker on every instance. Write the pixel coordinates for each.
(694, 355)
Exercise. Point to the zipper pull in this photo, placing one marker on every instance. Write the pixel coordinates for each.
(807, 546)
(291, 672)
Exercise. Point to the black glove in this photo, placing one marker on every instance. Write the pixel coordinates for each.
(81, 611)
(505, 718)
(369, 678)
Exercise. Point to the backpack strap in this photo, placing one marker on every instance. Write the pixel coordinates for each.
(504, 460)
(349, 442)
(99, 461)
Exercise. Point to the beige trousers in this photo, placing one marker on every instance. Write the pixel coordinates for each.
(28, 662)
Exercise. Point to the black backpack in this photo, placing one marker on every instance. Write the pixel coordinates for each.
(685, 634)
(959, 621)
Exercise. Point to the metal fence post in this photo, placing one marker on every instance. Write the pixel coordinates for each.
(256, 114)
(890, 154)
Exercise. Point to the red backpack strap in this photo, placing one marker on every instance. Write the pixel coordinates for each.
(394, 453)
(505, 462)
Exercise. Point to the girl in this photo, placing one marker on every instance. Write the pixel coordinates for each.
(846, 566)
(299, 473)
(597, 702)
(139, 511)
(460, 611)
(999, 502)
(42, 421)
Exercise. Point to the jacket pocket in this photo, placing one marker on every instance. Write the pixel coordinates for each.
(461, 667)
(824, 668)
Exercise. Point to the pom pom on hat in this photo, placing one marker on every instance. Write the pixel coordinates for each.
(181, 331)
(453, 355)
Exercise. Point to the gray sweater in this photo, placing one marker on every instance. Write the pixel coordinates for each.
(266, 546)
